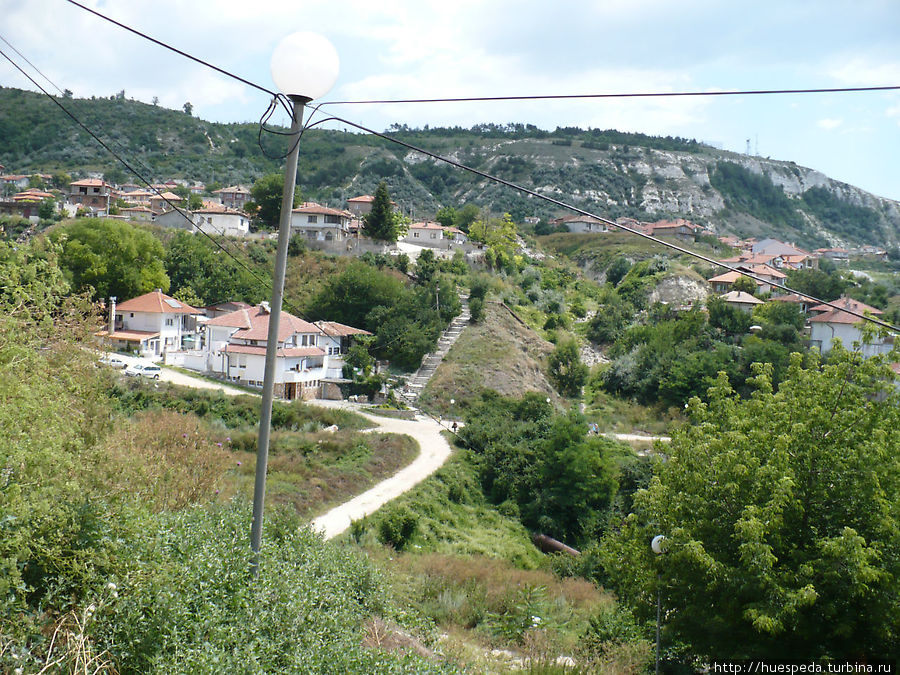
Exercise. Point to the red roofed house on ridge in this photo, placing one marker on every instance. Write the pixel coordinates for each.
(832, 324)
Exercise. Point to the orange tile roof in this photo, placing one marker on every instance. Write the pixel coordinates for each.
(253, 324)
(89, 182)
(156, 302)
(849, 303)
(318, 209)
(333, 328)
(362, 198)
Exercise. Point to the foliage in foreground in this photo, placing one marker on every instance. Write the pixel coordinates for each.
(782, 515)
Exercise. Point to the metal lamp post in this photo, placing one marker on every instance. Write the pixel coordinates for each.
(304, 67)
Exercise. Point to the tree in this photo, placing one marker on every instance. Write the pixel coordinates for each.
(267, 193)
(188, 108)
(111, 258)
(781, 514)
(567, 373)
(381, 223)
(745, 284)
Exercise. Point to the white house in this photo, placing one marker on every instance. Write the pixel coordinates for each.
(321, 223)
(308, 354)
(151, 324)
(221, 220)
(582, 224)
(834, 324)
(425, 234)
(741, 300)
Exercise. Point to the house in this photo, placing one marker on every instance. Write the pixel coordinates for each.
(832, 324)
(679, 229)
(841, 255)
(769, 279)
(163, 201)
(582, 224)
(360, 206)
(221, 220)
(233, 197)
(799, 300)
(848, 303)
(775, 247)
(741, 300)
(15, 181)
(320, 223)
(91, 194)
(307, 354)
(139, 213)
(425, 234)
(151, 324)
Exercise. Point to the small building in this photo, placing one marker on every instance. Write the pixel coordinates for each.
(320, 223)
(832, 324)
(233, 197)
(425, 234)
(221, 220)
(150, 324)
(91, 194)
(360, 206)
(741, 300)
(163, 201)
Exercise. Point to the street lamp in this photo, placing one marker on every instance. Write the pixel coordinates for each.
(304, 67)
(658, 545)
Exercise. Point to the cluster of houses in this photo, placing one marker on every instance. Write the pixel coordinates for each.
(229, 340)
(769, 260)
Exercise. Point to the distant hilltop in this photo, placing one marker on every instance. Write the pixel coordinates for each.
(609, 173)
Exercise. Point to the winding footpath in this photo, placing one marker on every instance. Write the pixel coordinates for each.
(433, 452)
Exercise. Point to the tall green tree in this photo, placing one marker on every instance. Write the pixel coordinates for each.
(382, 223)
(566, 370)
(111, 257)
(267, 193)
(782, 514)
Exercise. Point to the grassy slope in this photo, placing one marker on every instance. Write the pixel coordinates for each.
(499, 353)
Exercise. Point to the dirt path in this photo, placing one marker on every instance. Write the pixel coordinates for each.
(434, 451)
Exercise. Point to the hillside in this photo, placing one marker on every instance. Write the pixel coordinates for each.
(610, 173)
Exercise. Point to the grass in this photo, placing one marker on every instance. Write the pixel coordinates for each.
(315, 471)
(619, 415)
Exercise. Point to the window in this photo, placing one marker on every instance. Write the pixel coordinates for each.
(434, 235)
(312, 219)
(333, 219)
(415, 235)
(170, 322)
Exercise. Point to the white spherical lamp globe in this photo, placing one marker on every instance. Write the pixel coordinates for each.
(659, 544)
(305, 65)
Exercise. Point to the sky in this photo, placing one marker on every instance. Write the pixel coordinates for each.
(395, 49)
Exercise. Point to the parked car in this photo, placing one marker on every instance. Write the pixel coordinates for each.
(113, 361)
(150, 370)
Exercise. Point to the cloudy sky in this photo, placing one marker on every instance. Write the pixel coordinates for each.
(414, 49)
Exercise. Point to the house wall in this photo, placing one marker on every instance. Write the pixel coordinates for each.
(822, 335)
(229, 224)
(169, 333)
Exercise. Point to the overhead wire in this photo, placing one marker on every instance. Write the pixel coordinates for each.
(281, 98)
(38, 70)
(264, 282)
(658, 94)
(607, 221)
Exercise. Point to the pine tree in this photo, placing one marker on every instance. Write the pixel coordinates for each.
(380, 222)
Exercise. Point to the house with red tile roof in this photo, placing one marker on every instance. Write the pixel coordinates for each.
(91, 194)
(151, 324)
(317, 223)
(233, 197)
(831, 323)
(308, 354)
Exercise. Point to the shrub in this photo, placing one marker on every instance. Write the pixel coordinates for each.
(397, 526)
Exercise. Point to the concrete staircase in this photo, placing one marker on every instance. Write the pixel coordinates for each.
(418, 380)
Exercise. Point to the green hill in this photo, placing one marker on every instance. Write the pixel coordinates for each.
(610, 173)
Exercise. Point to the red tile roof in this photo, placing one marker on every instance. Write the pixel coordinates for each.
(156, 302)
(362, 198)
(333, 328)
(318, 209)
(848, 303)
(253, 324)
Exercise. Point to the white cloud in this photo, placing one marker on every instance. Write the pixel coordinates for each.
(829, 124)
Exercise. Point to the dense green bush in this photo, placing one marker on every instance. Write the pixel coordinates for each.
(396, 526)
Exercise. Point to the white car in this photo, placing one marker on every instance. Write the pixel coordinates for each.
(113, 361)
(150, 370)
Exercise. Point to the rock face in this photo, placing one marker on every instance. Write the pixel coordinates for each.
(680, 290)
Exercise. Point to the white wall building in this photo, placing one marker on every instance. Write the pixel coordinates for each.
(151, 324)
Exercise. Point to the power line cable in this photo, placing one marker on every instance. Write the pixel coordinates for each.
(23, 57)
(607, 221)
(669, 94)
(549, 97)
(173, 49)
(265, 283)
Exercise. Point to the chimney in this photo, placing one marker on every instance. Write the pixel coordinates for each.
(112, 314)
(265, 307)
